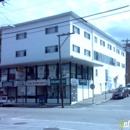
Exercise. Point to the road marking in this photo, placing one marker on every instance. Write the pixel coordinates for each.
(21, 117)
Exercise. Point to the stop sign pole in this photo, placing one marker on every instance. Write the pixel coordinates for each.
(92, 86)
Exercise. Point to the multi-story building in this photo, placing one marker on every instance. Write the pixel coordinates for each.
(30, 60)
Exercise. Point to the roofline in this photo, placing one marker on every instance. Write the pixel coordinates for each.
(62, 15)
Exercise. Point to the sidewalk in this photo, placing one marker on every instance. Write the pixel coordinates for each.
(87, 102)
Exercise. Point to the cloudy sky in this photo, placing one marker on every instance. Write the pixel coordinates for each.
(115, 23)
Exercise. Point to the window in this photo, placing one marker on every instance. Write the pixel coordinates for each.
(114, 49)
(118, 63)
(76, 49)
(76, 30)
(123, 65)
(122, 53)
(12, 74)
(109, 46)
(117, 51)
(96, 72)
(51, 49)
(86, 35)
(21, 35)
(102, 43)
(86, 52)
(51, 30)
(31, 73)
(21, 53)
(95, 39)
(79, 72)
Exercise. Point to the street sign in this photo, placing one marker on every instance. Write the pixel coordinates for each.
(82, 82)
(57, 81)
(92, 86)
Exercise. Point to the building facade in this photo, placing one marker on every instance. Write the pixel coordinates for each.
(30, 60)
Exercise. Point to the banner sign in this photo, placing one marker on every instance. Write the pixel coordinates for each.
(39, 83)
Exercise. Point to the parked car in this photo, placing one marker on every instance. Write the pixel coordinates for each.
(128, 86)
(121, 92)
(5, 100)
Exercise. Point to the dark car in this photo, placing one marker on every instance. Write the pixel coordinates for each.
(121, 93)
(128, 86)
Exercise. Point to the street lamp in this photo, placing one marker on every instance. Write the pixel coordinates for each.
(105, 90)
(60, 65)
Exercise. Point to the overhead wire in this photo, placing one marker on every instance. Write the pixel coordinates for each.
(69, 20)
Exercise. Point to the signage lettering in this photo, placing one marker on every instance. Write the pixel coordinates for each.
(8, 84)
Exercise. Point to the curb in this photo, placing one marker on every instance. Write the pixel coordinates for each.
(100, 102)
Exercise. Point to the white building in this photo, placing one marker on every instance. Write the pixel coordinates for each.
(30, 60)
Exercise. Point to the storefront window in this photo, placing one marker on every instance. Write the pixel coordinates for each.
(31, 73)
(12, 74)
(73, 71)
(52, 71)
(79, 73)
(65, 71)
(20, 73)
(66, 92)
(31, 90)
(84, 72)
(41, 72)
(4, 74)
(52, 92)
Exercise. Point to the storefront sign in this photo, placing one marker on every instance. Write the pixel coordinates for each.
(20, 75)
(82, 82)
(19, 83)
(74, 81)
(8, 84)
(39, 83)
(57, 81)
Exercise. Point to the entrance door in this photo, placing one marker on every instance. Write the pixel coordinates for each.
(41, 91)
(73, 93)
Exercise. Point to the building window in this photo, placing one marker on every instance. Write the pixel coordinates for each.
(51, 49)
(95, 39)
(123, 65)
(76, 49)
(102, 43)
(21, 53)
(31, 73)
(122, 53)
(51, 30)
(21, 36)
(86, 52)
(96, 72)
(73, 71)
(114, 49)
(79, 72)
(118, 63)
(109, 46)
(76, 30)
(86, 35)
(12, 74)
(117, 51)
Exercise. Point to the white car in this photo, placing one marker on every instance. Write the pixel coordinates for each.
(5, 100)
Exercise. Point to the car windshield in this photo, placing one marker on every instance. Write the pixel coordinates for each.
(128, 86)
(119, 90)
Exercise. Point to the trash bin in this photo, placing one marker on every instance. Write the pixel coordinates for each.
(41, 101)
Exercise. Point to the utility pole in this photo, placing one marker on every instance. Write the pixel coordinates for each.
(127, 50)
(60, 65)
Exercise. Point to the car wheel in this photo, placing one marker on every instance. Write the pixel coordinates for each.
(128, 95)
(122, 97)
(1, 104)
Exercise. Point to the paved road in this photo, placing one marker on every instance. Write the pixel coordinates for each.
(95, 117)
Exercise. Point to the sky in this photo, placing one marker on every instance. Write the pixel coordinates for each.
(114, 23)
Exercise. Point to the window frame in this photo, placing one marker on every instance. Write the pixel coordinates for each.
(87, 35)
(21, 53)
(47, 50)
(88, 52)
(54, 31)
(74, 46)
(78, 30)
(18, 36)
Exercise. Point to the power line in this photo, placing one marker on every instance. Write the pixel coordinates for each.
(70, 20)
